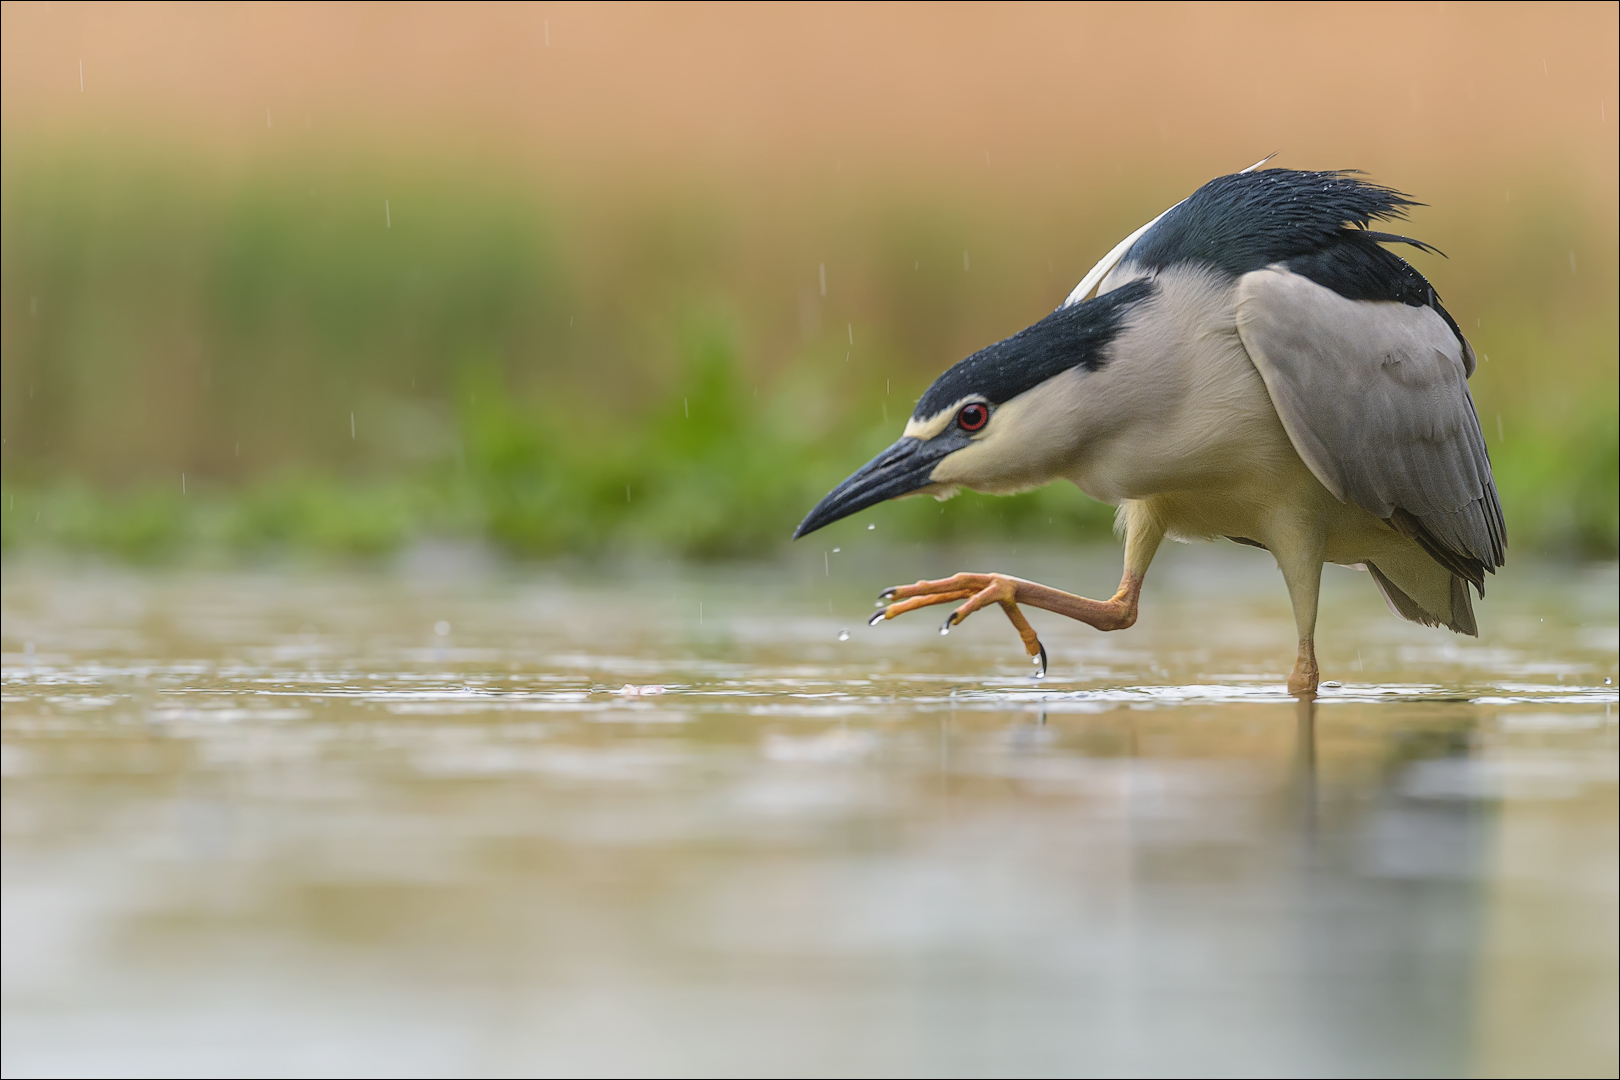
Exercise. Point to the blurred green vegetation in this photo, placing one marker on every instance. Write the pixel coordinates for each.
(344, 359)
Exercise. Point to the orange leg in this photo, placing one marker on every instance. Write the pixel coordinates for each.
(981, 590)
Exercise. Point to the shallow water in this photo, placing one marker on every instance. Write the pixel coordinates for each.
(455, 818)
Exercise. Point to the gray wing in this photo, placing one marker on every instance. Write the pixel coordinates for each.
(1374, 396)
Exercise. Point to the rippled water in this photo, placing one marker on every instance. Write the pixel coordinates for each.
(456, 818)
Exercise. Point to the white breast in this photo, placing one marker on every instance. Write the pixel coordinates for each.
(1179, 406)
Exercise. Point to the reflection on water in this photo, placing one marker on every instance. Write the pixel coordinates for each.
(457, 819)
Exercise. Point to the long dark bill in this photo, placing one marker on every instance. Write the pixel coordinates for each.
(899, 470)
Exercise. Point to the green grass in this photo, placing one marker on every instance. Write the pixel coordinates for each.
(274, 362)
(712, 473)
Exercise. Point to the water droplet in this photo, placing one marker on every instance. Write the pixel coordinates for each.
(441, 628)
(944, 629)
(869, 528)
(843, 635)
(837, 550)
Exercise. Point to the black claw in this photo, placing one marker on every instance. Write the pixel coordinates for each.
(886, 594)
(1041, 674)
(874, 620)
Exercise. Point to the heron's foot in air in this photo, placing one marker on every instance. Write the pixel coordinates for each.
(1302, 683)
(979, 590)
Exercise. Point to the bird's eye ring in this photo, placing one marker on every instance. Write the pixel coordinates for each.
(973, 416)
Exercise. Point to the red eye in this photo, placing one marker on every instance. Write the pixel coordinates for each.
(973, 417)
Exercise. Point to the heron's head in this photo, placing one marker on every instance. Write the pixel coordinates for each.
(1000, 421)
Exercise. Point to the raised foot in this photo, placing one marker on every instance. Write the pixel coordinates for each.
(979, 590)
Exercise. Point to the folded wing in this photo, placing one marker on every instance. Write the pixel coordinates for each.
(1374, 396)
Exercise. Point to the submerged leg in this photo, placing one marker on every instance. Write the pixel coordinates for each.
(1301, 567)
(1142, 536)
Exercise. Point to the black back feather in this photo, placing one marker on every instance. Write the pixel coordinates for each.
(1246, 221)
(1317, 224)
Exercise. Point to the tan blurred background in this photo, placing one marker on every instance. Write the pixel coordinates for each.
(1056, 97)
(709, 166)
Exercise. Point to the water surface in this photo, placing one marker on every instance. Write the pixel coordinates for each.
(457, 817)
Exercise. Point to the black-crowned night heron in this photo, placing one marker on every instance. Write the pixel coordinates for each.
(1255, 365)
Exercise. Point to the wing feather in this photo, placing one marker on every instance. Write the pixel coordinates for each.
(1374, 396)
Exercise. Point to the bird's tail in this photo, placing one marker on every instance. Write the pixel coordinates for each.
(1457, 606)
